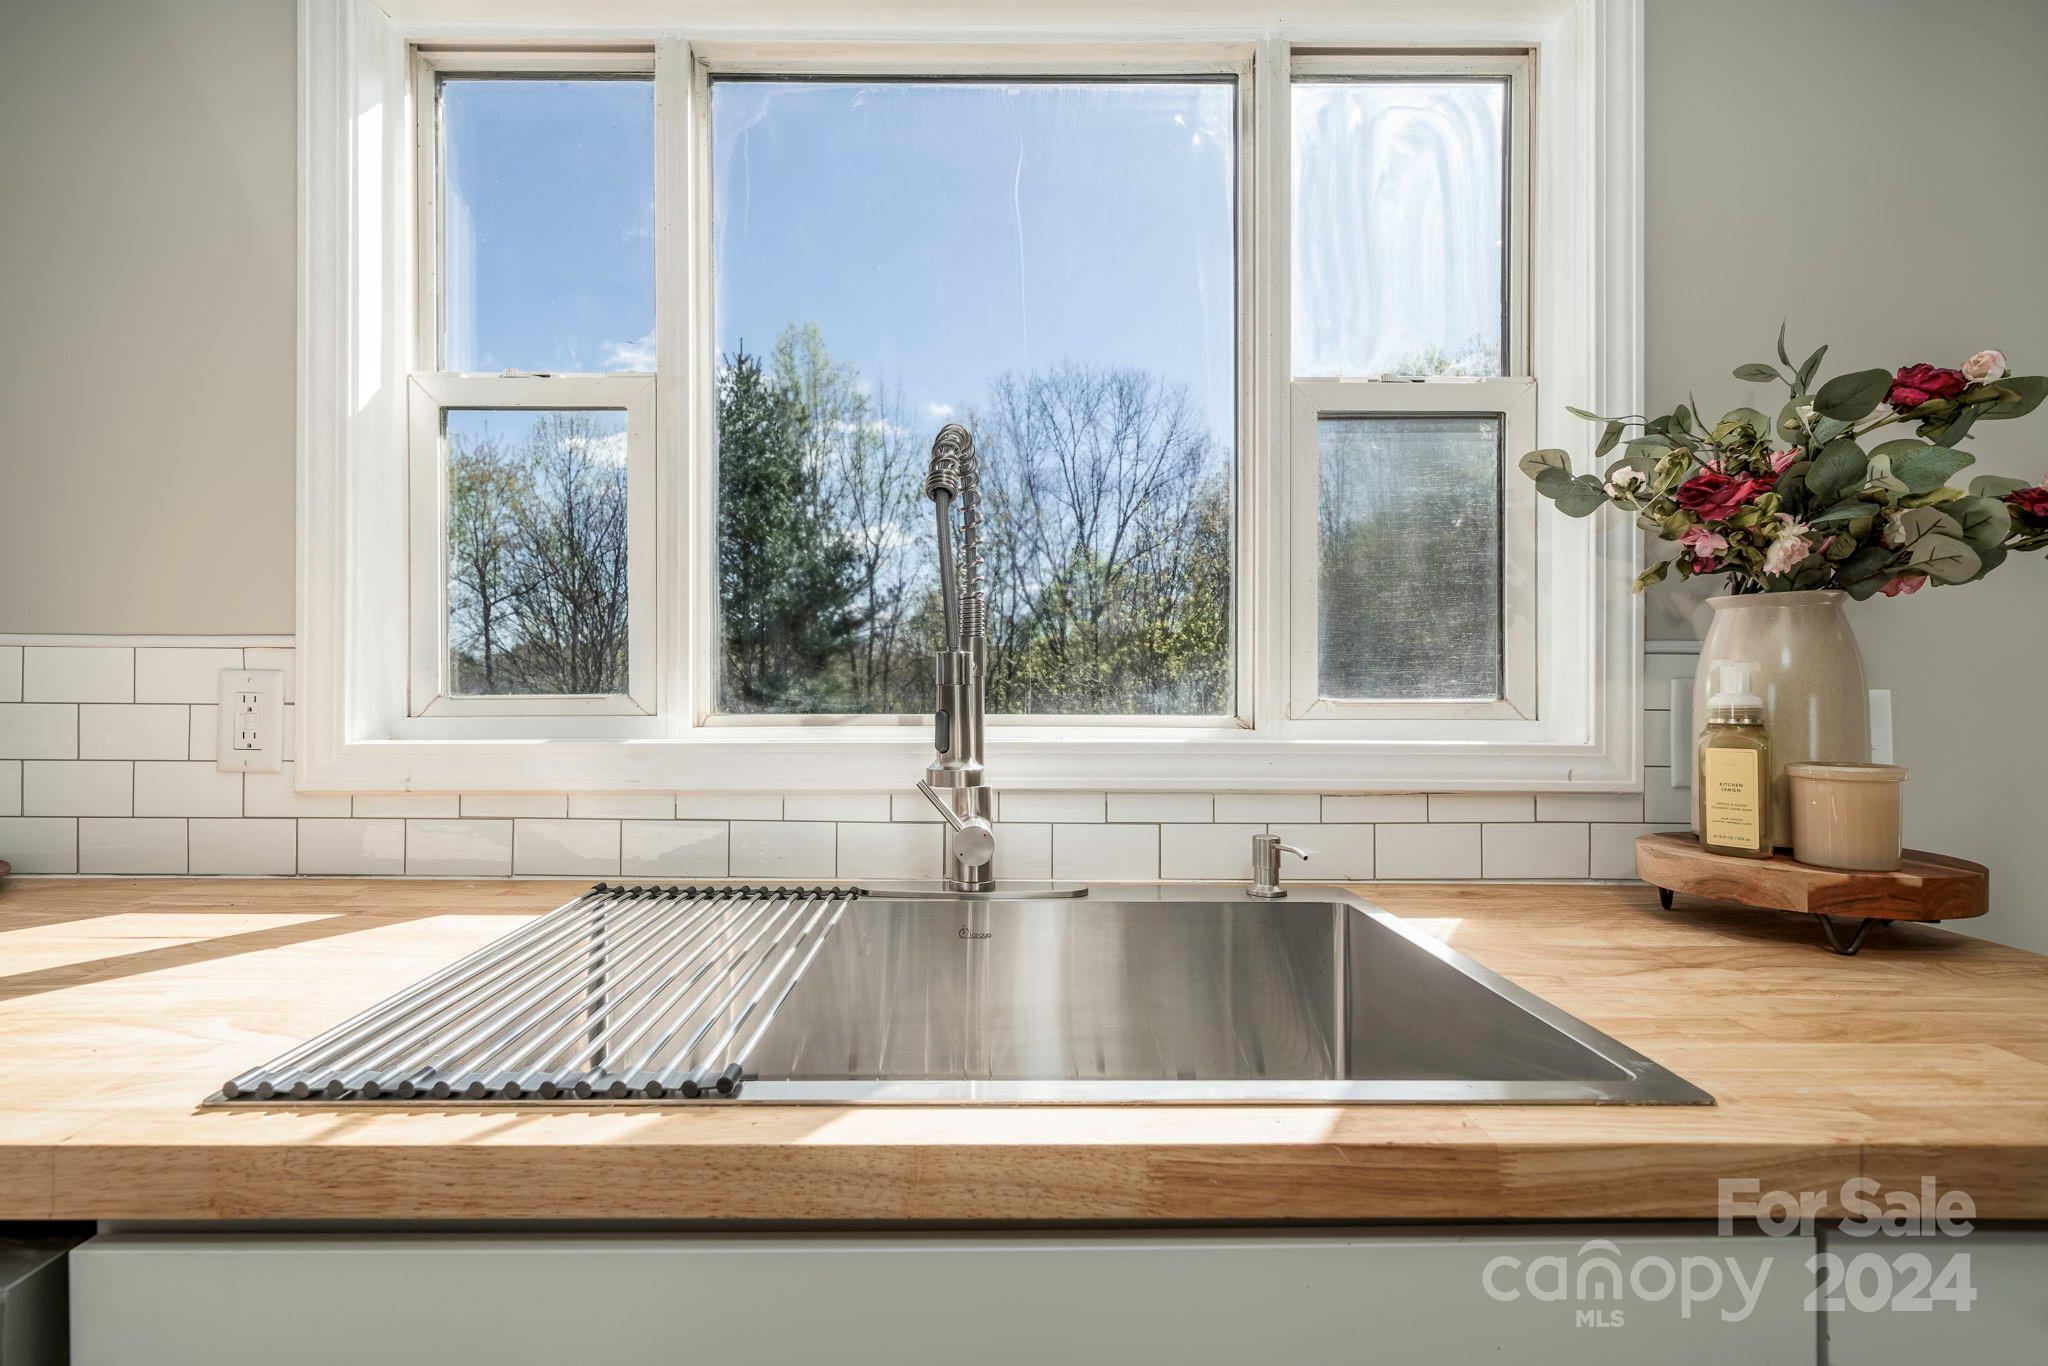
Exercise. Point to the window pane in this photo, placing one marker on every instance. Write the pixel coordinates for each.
(547, 224)
(1409, 595)
(1050, 263)
(536, 550)
(1399, 227)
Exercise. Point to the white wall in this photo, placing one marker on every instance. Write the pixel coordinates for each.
(1872, 170)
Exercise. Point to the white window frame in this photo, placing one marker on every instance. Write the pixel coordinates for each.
(362, 314)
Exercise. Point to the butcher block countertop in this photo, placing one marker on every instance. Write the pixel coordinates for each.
(124, 1003)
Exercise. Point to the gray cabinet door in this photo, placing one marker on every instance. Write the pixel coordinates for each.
(1395, 1297)
(1886, 1309)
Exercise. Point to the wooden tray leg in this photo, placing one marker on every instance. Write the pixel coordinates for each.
(1827, 924)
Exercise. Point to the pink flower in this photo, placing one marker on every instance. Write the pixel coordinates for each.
(1706, 546)
(1794, 544)
(1903, 585)
(1784, 460)
(1984, 365)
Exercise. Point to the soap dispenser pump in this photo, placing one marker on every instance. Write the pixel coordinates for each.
(1733, 772)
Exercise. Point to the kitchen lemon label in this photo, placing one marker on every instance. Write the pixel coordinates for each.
(1734, 799)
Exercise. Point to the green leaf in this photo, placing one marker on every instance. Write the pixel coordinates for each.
(1843, 512)
(1919, 466)
(1872, 561)
(1990, 557)
(1756, 372)
(1581, 412)
(1955, 429)
(1826, 429)
(1681, 419)
(2027, 391)
(1852, 396)
(1944, 558)
(1782, 357)
(1808, 368)
(1915, 523)
(1549, 458)
(1608, 439)
(1789, 426)
(1654, 574)
(1583, 497)
(1552, 482)
(1996, 485)
(1985, 521)
(1839, 467)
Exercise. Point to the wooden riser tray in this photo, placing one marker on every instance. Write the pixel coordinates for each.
(1926, 886)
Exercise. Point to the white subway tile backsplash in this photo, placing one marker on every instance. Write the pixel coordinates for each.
(1590, 806)
(146, 731)
(1300, 807)
(78, 787)
(784, 849)
(1426, 851)
(1664, 804)
(10, 673)
(202, 739)
(186, 788)
(1554, 849)
(10, 787)
(1614, 848)
(1106, 853)
(77, 673)
(1377, 809)
(351, 848)
(672, 848)
(837, 806)
(1482, 806)
(565, 848)
(1162, 806)
(272, 794)
(639, 806)
(40, 844)
(1657, 737)
(243, 848)
(1022, 851)
(1336, 853)
(1194, 853)
(153, 845)
(911, 806)
(409, 805)
(710, 806)
(890, 849)
(181, 673)
(281, 657)
(38, 730)
(440, 848)
(514, 804)
(1049, 806)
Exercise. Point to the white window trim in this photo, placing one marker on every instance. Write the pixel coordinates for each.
(358, 311)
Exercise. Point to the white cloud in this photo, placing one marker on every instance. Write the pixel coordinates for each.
(942, 411)
(606, 449)
(633, 355)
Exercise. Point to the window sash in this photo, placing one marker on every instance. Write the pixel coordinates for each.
(429, 398)
(1513, 401)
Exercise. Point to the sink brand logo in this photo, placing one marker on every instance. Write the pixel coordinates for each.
(966, 933)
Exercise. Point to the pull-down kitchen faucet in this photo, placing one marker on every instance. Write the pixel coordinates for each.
(955, 780)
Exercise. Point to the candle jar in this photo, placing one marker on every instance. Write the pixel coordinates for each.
(1846, 815)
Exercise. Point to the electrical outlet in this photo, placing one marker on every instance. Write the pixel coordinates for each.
(251, 726)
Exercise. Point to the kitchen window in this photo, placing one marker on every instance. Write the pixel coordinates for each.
(1250, 330)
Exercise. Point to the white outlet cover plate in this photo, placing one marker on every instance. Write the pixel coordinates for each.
(251, 739)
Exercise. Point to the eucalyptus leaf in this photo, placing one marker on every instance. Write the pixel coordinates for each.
(1944, 558)
(1985, 521)
(1916, 523)
(1865, 588)
(1756, 372)
(1581, 412)
(1843, 512)
(2027, 391)
(1809, 367)
(1549, 458)
(1826, 429)
(1608, 438)
(1582, 498)
(1869, 561)
(1783, 358)
(1654, 574)
(1839, 467)
(1958, 427)
(1919, 466)
(1996, 486)
(1789, 425)
(1989, 557)
(1551, 482)
(1850, 397)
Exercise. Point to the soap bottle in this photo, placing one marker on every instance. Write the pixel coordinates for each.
(1733, 772)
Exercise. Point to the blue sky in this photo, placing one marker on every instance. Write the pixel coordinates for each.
(939, 233)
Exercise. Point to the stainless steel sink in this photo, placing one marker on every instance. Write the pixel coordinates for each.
(1319, 998)
(795, 995)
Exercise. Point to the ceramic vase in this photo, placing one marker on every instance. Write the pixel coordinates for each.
(1809, 673)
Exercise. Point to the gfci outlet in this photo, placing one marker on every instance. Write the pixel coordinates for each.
(251, 732)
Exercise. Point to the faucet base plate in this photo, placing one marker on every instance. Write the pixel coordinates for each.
(935, 890)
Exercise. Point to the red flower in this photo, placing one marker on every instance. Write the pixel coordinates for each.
(1713, 496)
(2030, 505)
(1916, 384)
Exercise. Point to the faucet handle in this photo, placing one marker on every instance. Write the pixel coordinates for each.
(977, 842)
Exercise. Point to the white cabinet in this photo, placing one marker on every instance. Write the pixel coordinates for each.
(1891, 1311)
(1396, 1296)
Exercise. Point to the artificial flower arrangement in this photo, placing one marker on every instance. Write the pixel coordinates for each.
(1798, 502)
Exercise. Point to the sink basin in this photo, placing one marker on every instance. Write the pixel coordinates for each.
(1314, 999)
(835, 996)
